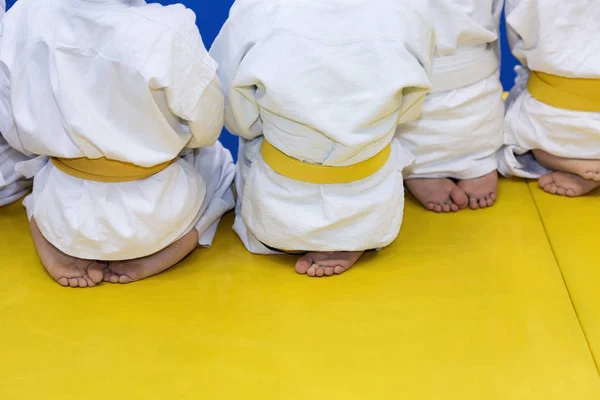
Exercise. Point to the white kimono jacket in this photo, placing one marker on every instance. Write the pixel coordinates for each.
(326, 82)
(99, 78)
(460, 128)
(559, 38)
(13, 185)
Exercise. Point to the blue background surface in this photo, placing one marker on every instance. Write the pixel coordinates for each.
(211, 14)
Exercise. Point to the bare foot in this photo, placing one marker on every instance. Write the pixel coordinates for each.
(134, 270)
(587, 169)
(327, 263)
(481, 191)
(64, 269)
(438, 194)
(566, 184)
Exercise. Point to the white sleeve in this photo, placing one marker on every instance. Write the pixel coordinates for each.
(191, 85)
(516, 13)
(497, 6)
(206, 131)
(420, 46)
(8, 127)
(236, 39)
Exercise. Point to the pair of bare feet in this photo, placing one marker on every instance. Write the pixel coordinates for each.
(319, 264)
(76, 272)
(571, 177)
(443, 195)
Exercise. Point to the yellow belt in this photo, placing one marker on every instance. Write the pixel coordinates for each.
(105, 170)
(321, 174)
(567, 93)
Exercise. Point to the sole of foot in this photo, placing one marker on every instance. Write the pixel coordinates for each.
(440, 195)
(567, 184)
(482, 191)
(319, 264)
(141, 268)
(587, 169)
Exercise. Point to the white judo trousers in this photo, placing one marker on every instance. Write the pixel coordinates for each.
(460, 127)
(319, 80)
(562, 42)
(13, 185)
(132, 84)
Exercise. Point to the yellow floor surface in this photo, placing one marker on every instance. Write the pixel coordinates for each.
(465, 306)
(573, 228)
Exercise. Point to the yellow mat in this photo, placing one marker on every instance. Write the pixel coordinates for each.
(573, 228)
(465, 306)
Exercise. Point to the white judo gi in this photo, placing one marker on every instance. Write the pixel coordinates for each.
(558, 38)
(326, 82)
(13, 185)
(98, 78)
(460, 127)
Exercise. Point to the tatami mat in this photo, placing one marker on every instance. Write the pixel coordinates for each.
(573, 228)
(465, 306)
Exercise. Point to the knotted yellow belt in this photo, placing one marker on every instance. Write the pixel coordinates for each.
(567, 93)
(321, 174)
(105, 170)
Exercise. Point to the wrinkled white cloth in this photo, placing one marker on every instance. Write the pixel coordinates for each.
(319, 79)
(554, 37)
(13, 185)
(460, 127)
(100, 78)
